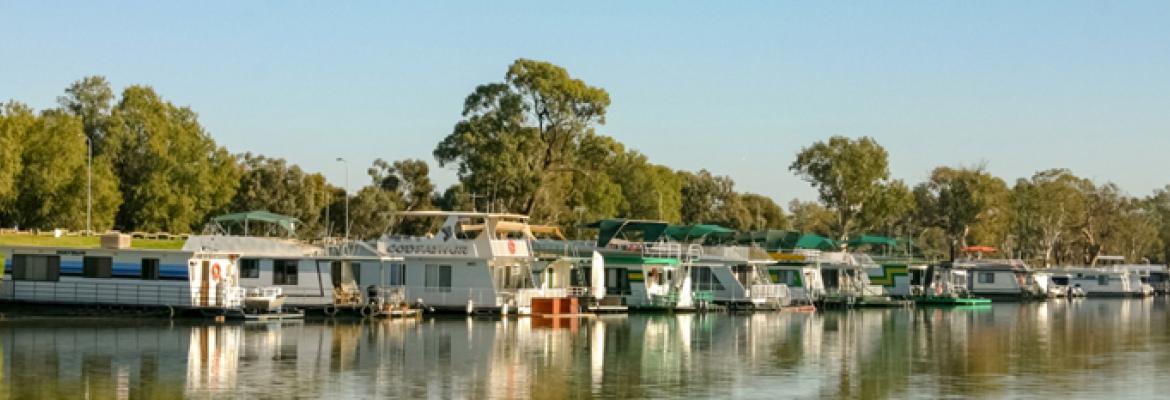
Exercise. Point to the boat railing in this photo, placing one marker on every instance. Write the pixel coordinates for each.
(111, 293)
(736, 252)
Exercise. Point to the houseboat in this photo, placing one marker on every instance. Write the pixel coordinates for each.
(846, 279)
(174, 282)
(800, 273)
(644, 269)
(326, 277)
(630, 266)
(469, 262)
(736, 276)
(1000, 279)
(1107, 282)
(943, 286)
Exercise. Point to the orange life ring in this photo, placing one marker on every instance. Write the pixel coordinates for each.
(215, 272)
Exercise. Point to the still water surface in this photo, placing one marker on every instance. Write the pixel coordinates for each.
(1078, 349)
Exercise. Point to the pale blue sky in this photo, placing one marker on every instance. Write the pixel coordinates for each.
(736, 88)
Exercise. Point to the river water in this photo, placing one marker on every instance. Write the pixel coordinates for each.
(1060, 349)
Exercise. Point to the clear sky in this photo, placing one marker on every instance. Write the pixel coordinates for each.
(734, 87)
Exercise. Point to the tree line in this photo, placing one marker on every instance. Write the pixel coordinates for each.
(529, 144)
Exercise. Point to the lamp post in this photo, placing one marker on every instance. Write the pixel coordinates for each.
(89, 187)
(344, 161)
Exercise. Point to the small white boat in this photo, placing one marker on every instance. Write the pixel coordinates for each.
(264, 300)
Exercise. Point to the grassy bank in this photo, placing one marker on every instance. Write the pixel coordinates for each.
(84, 242)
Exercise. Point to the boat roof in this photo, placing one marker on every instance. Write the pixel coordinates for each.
(610, 228)
(697, 231)
(289, 224)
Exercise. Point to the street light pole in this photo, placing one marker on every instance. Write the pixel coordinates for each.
(89, 188)
(342, 160)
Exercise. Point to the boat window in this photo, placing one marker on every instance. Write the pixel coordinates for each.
(987, 277)
(704, 279)
(397, 275)
(97, 267)
(438, 277)
(249, 268)
(831, 278)
(35, 267)
(284, 272)
(150, 269)
(1102, 280)
(617, 281)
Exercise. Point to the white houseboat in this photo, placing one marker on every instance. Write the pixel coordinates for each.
(473, 262)
(1000, 279)
(172, 281)
(1107, 282)
(735, 275)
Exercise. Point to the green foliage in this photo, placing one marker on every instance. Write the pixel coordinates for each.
(51, 188)
(270, 184)
(1048, 207)
(848, 175)
(763, 212)
(518, 135)
(966, 203)
(808, 216)
(890, 211)
(16, 120)
(90, 99)
(172, 174)
(371, 212)
(710, 199)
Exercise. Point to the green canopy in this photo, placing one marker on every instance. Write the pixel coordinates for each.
(289, 224)
(814, 242)
(697, 231)
(859, 240)
(610, 228)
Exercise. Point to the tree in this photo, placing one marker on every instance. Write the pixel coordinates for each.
(1099, 221)
(808, 216)
(1158, 206)
(409, 186)
(410, 179)
(519, 134)
(172, 174)
(16, 120)
(371, 212)
(90, 99)
(963, 200)
(710, 199)
(52, 184)
(847, 175)
(889, 211)
(765, 213)
(648, 191)
(1047, 207)
(271, 184)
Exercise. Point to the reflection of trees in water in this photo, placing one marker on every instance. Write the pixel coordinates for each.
(1083, 348)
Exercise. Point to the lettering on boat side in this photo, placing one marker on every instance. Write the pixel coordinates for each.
(451, 249)
(70, 253)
